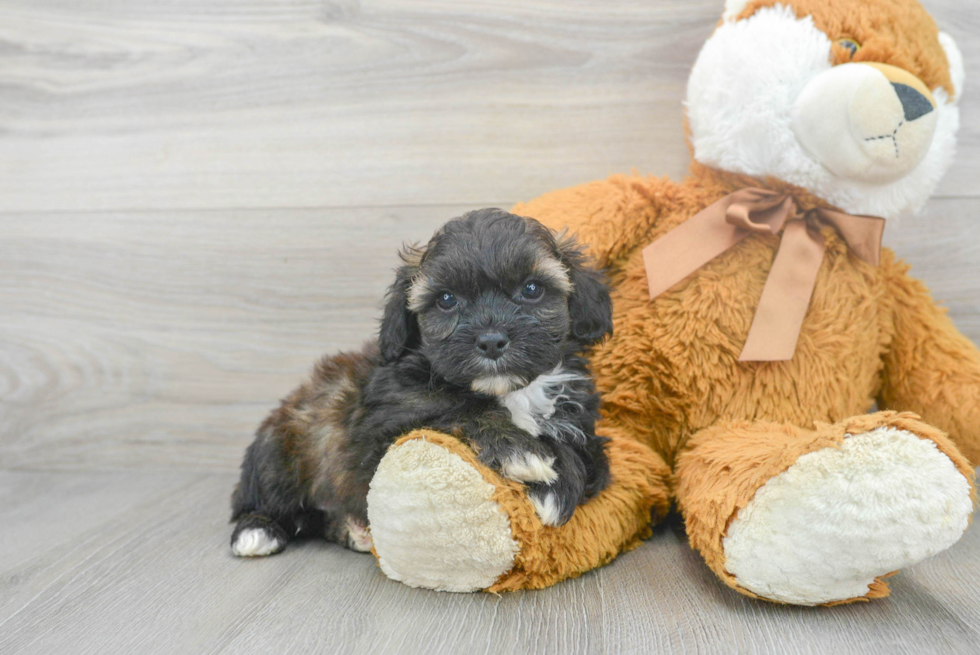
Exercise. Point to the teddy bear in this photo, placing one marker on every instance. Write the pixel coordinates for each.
(773, 373)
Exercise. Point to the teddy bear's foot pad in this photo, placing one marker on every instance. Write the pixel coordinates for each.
(838, 518)
(434, 522)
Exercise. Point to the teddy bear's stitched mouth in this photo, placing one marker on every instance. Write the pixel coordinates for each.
(891, 136)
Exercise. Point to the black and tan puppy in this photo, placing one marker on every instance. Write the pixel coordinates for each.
(481, 338)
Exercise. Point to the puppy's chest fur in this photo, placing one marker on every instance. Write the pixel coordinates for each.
(532, 408)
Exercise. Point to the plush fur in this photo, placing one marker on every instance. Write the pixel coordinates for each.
(492, 296)
(436, 526)
(709, 431)
(748, 127)
(816, 503)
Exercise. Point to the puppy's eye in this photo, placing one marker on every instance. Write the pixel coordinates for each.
(850, 45)
(532, 291)
(446, 301)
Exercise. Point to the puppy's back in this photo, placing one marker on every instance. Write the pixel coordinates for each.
(301, 450)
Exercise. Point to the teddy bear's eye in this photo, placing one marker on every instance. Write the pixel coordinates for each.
(850, 45)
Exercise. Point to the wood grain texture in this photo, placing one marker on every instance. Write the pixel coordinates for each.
(199, 197)
(160, 340)
(149, 571)
(136, 104)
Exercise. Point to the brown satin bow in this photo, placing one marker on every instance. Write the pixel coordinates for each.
(786, 295)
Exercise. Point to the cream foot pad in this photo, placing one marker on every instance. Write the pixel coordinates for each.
(434, 523)
(825, 528)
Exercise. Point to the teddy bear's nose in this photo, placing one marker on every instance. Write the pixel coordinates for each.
(914, 104)
(866, 121)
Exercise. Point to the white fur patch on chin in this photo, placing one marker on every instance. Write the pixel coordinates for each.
(546, 508)
(528, 467)
(496, 385)
(825, 528)
(255, 542)
(739, 105)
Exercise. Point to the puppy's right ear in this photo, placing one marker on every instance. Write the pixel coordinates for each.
(399, 326)
(589, 304)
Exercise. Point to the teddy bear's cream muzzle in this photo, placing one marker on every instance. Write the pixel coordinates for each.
(866, 121)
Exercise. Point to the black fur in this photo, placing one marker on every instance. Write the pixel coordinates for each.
(421, 373)
(399, 329)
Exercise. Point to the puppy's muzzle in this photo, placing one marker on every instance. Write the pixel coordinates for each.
(492, 343)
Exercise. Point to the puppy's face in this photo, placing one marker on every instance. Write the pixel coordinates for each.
(492, 301)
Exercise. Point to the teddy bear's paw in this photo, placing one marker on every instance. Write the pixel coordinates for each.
(434, 521)
(828, 526)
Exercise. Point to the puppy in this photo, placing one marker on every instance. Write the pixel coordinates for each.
(481, 338)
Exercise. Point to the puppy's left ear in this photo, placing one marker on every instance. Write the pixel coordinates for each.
(399, 326)
(589, 304)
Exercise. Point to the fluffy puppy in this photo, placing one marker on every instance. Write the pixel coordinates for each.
(481, 338)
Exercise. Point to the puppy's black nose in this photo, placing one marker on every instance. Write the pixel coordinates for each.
(492, 343)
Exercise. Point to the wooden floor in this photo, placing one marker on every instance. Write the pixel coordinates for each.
(137, 562)
(199, 197)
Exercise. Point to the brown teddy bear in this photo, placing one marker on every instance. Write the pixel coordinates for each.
(756, 321)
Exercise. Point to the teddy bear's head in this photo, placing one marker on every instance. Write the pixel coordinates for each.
(853, 100)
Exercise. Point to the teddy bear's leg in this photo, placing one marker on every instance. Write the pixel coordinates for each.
(441, 520)
(819, 517)
(930, 368)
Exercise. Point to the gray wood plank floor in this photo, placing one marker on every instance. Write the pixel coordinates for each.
(199, 197)
(128, 562)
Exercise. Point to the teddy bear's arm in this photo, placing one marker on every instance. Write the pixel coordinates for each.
(930, 367)
(610, 216)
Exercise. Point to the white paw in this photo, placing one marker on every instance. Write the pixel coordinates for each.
(825, 528)
(547, 508)
(358, 536)
(528, 467)
(255, 542)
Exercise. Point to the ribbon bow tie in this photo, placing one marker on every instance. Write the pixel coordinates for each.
(786, 295)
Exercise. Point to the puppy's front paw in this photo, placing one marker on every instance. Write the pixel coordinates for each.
(555, 502)
(556, 498)
(529, 467)
(519, 456)
(553, 505)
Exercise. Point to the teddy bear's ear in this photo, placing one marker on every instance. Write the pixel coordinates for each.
(733, 8)
(956, 71)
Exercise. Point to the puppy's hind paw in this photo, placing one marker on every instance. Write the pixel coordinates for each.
(358, 535)
(257, 537)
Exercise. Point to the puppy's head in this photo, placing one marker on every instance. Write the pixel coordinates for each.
(492, 301)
